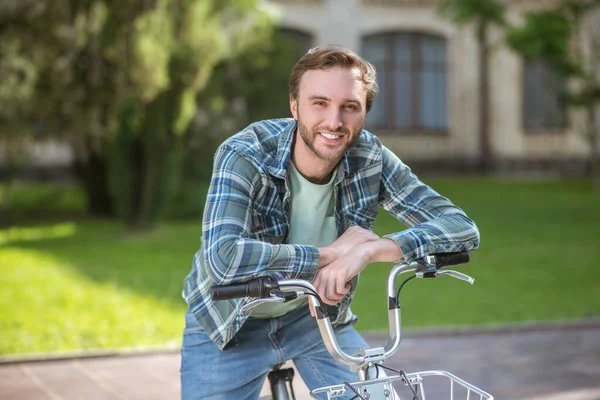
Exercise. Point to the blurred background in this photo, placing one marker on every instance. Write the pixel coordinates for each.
(110, 113)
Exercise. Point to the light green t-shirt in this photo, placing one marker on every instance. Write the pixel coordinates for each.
(312, 222)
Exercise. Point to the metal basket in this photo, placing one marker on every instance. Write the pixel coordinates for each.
(424, 384)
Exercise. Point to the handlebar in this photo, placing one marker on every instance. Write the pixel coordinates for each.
(266, 290)
(259, 287)
(442, 260)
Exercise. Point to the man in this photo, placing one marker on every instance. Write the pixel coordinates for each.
(297, 198)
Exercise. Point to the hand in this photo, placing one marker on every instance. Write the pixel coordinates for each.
(330, 281)
(354, 236)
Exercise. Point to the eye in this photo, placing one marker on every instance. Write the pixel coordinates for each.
(319, 103)
(352, 107)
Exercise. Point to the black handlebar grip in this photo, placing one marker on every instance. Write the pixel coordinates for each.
(448, 259)
(227, 292)
(259, 287)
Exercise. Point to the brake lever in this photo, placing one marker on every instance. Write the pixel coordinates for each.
(456, 274)
(246, 308)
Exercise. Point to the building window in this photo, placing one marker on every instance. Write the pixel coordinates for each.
(412, 78)
(543, 98)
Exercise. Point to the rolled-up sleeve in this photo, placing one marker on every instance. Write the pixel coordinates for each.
(435, 225)
(229, 254)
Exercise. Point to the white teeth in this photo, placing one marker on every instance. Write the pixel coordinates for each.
(330, 136)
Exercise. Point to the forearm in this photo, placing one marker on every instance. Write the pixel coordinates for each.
(239, 259)
(435, 224)
(449, 233)
(381, 250)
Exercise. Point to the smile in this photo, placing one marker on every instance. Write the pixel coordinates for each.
(330, 136)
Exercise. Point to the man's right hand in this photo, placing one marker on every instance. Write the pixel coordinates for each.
(354, 236)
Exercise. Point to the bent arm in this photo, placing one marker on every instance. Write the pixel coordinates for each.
(435, 225)
(229, 254)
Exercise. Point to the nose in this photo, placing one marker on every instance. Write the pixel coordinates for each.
(334, 118)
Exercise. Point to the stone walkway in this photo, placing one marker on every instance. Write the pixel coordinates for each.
(550, 363)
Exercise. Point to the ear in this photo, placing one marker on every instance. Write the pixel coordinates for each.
(294, 108)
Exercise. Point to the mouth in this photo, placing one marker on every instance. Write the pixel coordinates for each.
(331, 137)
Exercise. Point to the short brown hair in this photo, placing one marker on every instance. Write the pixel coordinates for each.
(329, 56)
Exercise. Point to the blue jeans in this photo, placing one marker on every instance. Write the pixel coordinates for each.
(239, 371)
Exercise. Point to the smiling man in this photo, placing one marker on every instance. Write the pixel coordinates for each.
(297, 198)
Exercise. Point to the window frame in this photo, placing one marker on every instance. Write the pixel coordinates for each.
(390, 65)
(546, 126)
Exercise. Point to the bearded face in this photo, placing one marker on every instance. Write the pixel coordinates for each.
(330, 111)
(328, 143)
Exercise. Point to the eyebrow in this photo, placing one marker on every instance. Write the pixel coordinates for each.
(319, 97)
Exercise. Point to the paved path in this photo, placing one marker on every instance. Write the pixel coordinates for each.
(552, 363)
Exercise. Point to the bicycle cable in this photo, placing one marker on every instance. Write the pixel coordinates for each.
(404, 378)
(358, 396)
(400, 288)
(308, 292)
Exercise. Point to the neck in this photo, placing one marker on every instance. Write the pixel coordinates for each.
(311, 167)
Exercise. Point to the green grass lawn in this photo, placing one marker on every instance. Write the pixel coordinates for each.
(538, 259)
(83, 283)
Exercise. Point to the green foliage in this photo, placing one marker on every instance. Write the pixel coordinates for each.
(17, 85)
(545, 35)
(249, 87)
(152, 42)
(18, 79)
(40, 200)
(555, 36)
(466, 11)
(266, 76)
(79, 65)
(548, 35)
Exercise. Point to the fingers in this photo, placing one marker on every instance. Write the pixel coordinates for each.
(341, 287)
(321, 285)
(333, 294)
(331, 287)
(331, 300)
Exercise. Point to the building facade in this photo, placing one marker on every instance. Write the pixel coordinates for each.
(427, 111)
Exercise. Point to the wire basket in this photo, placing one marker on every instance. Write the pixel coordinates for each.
(424, 385)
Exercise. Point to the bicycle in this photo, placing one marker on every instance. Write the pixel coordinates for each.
(368, 362)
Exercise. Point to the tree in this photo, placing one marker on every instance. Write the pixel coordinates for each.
(567, 37)
(118, 80)
(16, 88)
(248, 87)
(484, 14)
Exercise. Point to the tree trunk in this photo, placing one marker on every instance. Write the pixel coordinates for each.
(594, 111)
(93, 176)
(485, 150)
(145, 161)
(594, 129)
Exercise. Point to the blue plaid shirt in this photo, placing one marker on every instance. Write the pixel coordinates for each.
(246, 218)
